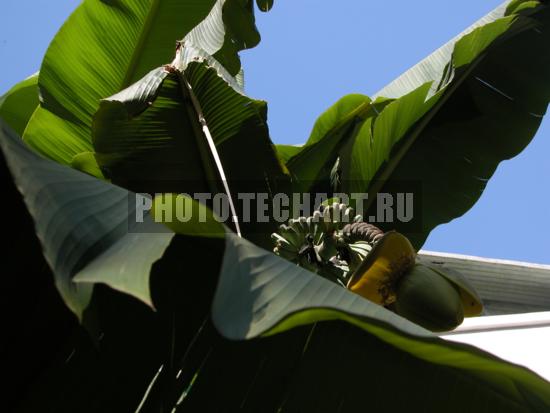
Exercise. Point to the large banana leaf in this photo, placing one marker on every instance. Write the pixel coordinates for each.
(486, 116)
(260, 294)
(80, 219)
(237, 17)
(339, 368)
(457, 115)
(148, 138)
(125, 39)
(328, 132)
(85, 227)
(105, 47)
(41, 316)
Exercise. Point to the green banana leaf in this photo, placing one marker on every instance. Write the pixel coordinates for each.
(88, 228)
(337, 367)
(41, 316)
(330, 129)
(236, 32)
(79, 220)
(148, 138)
(84, 229)
(125, 39)
(260, 294)
(19, 103)
(450, 121)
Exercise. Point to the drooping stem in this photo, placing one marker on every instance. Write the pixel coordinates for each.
(207, 147)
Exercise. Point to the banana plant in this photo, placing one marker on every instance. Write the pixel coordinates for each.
(201, 316)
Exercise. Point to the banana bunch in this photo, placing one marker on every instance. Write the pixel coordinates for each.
(303, 232)
(315, 242)
(382, 267)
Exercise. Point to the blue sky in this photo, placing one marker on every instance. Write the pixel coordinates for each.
(313, 52)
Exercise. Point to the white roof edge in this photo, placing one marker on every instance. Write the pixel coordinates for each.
(485, 260)
(506, 287)
(502, 322)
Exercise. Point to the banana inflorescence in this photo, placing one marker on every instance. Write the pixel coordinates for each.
(382, 267)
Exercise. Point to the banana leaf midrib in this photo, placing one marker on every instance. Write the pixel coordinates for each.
(207, 148)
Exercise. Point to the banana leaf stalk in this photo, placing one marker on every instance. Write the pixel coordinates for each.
(209, 153)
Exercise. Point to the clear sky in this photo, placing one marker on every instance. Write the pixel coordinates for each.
(313, 52)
